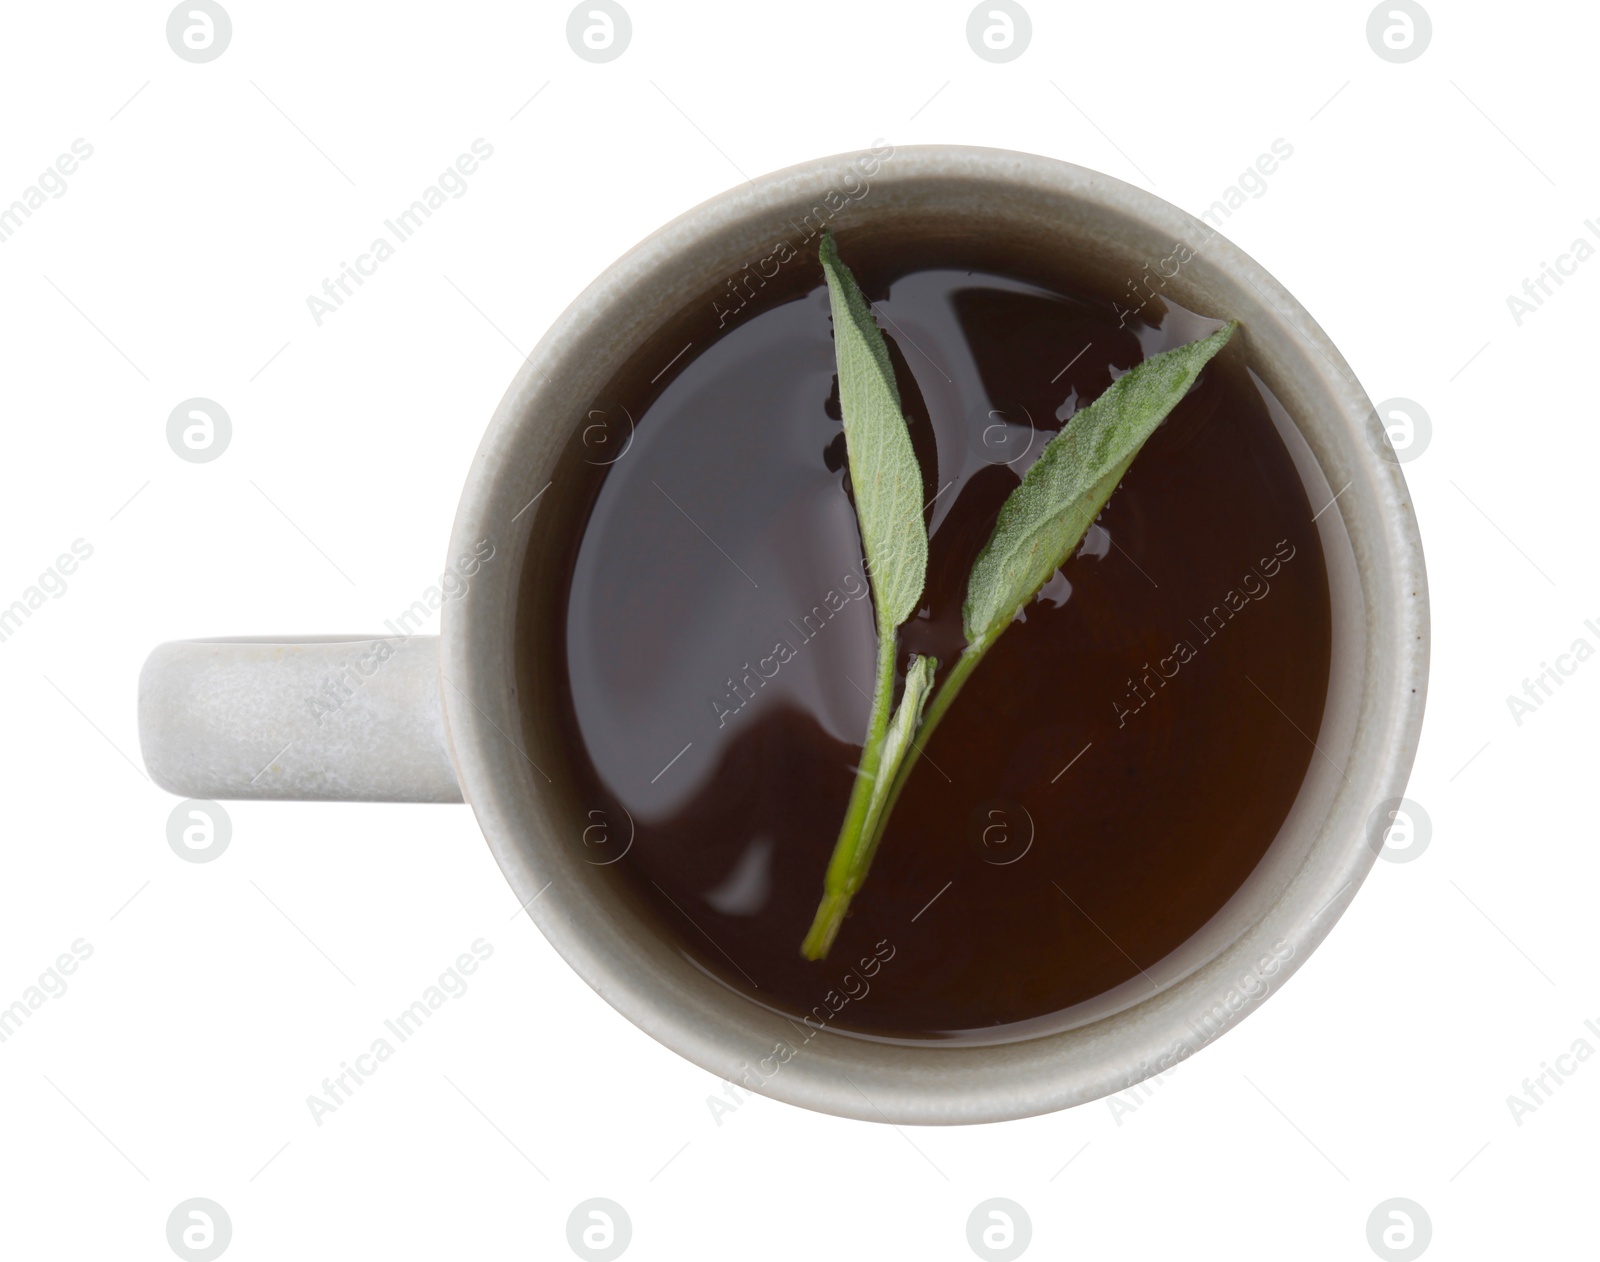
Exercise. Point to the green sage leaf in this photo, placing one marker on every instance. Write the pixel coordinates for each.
(883, 467)
(1062, 493)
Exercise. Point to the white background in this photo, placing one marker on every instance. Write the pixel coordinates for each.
(177, 264)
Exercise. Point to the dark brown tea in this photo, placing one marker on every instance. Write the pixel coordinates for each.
(1111, 774)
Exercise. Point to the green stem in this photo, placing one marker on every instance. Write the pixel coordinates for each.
(871, 803)
(845, 872)
(942, 700)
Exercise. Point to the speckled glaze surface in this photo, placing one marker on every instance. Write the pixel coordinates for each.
(1367, 740)
(351, 718)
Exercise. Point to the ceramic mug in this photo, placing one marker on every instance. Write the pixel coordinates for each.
(405, 717)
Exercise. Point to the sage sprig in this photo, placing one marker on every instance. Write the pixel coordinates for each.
(1046, 517)
(1039, 526)
(887, 483)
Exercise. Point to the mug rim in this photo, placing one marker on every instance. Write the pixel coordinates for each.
(965, 1084)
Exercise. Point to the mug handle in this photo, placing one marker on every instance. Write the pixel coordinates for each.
(313, 718)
